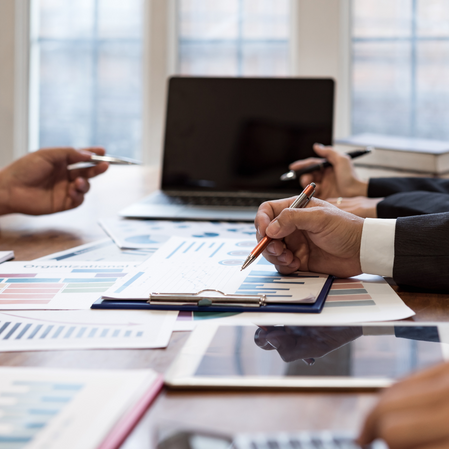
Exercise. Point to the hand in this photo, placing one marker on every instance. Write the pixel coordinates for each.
(359, 205)
(319, 238)
(332, 182)
(40, 183)
(305, 342)
(413, 413)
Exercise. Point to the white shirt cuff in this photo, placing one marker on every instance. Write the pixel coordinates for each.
(377, 246)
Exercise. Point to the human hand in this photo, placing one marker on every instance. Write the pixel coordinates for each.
(319, 238)
(40, 183)
(413, 413)
(359, 205)
(340, 180)
(305, 342)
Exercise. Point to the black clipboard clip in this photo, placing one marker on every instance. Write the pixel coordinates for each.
(207, 297)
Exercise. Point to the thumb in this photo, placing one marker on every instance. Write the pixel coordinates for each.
(328, 153)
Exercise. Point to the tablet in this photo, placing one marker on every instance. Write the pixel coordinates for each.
(283, 357)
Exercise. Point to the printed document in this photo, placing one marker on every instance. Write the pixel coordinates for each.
(190, 265)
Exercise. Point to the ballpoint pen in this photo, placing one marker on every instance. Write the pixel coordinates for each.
(301, 201)
(114, 160)
(292, 174)
(96, 159)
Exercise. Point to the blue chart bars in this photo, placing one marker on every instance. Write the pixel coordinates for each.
(10, 330)
(271, 283)
(27, 408)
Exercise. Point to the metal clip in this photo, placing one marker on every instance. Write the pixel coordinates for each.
(208, 297)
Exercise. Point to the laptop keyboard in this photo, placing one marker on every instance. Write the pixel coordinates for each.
(303, 440)
(211, 200)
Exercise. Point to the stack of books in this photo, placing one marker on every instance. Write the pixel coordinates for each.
(401, 153)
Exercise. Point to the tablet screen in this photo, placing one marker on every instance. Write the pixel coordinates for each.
(351, 351)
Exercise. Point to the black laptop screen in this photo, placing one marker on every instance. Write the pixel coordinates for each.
(240, 134)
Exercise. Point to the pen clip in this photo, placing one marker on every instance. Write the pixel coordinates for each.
(207, 297)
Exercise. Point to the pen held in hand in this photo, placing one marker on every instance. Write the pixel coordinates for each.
(296, 174)
(96, 159)
(301, 201)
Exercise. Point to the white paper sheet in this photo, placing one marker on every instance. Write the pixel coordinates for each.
(192, 265)
(84, 329)
(152, 234)
(100, 251)
(6, 255)
(57, 284)
(363, 298)
(54, 409)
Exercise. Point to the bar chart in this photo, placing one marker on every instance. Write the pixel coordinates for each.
(272, 284)
(348, 293)
(27, 407)
(19, 334)
(63, 286)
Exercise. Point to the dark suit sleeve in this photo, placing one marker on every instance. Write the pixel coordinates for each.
(422, 251)
(409, 196)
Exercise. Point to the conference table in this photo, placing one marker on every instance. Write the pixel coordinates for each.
(223, 411)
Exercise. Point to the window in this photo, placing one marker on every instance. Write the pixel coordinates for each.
(87, 73)
(401, 68)
(233, 37)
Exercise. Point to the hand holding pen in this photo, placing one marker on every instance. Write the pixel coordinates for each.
(341, 180)
(296, 174)
(301, 201)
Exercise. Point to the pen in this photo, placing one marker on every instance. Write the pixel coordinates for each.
(292, 174)
(114, 160)
(96, 159)
(301, 201)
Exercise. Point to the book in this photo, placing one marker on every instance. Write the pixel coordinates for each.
(401, 153)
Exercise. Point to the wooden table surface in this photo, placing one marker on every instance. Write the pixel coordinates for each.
(226, 411)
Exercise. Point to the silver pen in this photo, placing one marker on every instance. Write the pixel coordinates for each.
(114, 160)
(96, 159)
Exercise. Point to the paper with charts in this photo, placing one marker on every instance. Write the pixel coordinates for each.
(192, 265)
(40, 330)
(101, 251)
(152, 234)
(57, 284)
(358, 299)
(56, 408)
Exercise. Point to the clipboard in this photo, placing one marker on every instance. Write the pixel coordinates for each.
(220, 304)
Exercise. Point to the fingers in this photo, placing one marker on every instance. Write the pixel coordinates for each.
(328, 153)
(69, 155)
(89, 172)
(97, 150)
(268, 211)
(76, 192)
(81, 185)
(413, 412)
(289, 220)
(303, 163)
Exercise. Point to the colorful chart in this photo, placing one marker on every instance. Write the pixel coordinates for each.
(272, 284)
(30, 288)
(29, 407)
(348, 293)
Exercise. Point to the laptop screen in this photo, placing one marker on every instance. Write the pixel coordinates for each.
(240, 134)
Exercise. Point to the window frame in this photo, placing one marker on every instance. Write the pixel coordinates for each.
(19, 101)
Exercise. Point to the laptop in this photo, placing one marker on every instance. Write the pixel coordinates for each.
(228, 141)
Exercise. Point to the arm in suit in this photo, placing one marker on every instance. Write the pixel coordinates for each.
(409, 196)
(422, 251)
